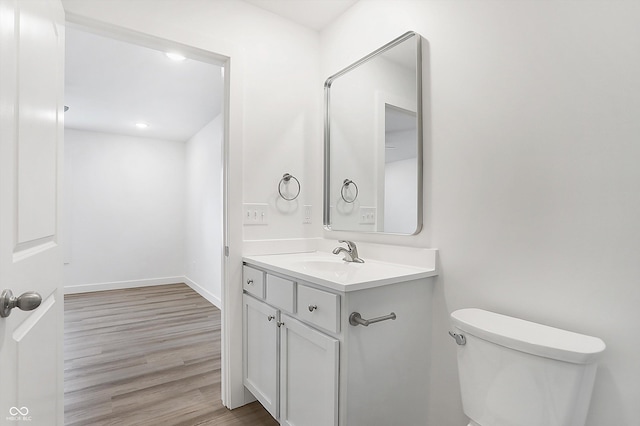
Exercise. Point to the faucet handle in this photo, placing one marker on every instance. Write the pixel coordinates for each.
(349, 244)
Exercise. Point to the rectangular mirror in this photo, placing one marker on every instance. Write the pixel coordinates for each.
(373, 142)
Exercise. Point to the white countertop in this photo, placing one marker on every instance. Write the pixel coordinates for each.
(331, 271)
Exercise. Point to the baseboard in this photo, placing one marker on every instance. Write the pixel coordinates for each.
(117, 285)
(203, 292)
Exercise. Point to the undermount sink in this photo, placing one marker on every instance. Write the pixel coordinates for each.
(320, 265)
(331, 271)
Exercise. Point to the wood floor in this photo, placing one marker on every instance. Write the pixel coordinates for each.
(146, 356)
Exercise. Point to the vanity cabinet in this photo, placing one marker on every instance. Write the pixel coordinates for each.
(309, 366)
(290, 367)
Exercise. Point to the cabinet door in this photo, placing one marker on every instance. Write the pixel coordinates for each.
(260, 352)
(308, 376)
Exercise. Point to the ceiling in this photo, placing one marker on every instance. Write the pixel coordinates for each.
(314, 14)
(111, 85)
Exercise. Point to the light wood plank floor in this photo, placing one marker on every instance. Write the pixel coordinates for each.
(146, 356)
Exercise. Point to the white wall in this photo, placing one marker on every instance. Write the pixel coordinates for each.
(532, 187)
(203, 211)
(144, 211)
(124, 209)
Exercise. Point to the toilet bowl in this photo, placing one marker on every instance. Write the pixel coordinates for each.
(518, 373)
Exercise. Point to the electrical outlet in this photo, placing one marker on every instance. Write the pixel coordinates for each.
(255, 214)
(307, 214)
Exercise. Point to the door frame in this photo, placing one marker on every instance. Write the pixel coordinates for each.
(232, 394)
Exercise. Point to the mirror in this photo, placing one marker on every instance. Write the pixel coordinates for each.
(373, 142)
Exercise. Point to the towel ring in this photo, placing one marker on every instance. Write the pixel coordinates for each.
(285, 179)
(345, 185)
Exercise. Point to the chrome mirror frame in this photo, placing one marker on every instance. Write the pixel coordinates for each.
(327, 134)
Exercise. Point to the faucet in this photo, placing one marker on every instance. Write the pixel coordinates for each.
(350, 254)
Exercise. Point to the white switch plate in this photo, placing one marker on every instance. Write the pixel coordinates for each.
(367, 215)
(255, 214)
(307, 214)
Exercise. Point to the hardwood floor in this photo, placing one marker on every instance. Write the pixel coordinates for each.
(146, 356)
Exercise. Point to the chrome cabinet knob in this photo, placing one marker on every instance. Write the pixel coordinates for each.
(26, 301)
(270, 317)
(280, 324)
(249, 282)
(313, 308)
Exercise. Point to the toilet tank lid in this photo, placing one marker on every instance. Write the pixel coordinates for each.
(529, 337)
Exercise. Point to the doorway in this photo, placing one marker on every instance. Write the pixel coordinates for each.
(145, 196)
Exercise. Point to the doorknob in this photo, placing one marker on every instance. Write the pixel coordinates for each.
(26, 301)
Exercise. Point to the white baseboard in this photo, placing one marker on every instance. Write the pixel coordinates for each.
(117, 285)
(203, 292)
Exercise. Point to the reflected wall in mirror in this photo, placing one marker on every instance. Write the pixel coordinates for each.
(373, 142)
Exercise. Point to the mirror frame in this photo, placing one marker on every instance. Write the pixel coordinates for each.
(326, 211)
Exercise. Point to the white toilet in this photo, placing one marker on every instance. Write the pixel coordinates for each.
(519, 373)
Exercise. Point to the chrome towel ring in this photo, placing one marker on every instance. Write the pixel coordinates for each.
(286, 178)
(345, 185)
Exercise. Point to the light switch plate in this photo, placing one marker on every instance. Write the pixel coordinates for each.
(367, 215)
(255, 214)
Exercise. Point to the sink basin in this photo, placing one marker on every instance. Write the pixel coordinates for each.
(332, 268)
(331, 271)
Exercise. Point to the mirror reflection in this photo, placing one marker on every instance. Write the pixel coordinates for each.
(373, 142)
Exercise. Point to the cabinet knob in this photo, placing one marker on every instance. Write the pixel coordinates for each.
(249, 282)
(313, 308)
(280, 324)
(270, 317)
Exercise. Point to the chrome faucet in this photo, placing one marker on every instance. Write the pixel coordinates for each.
(350, 253)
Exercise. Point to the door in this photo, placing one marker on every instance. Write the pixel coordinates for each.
(260, 352)
(308, 376)
(31, 134)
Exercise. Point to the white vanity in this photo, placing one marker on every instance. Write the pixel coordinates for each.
(309, 366)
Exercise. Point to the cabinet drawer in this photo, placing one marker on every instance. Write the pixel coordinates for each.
(253, 281)
(319, 307)
(280, 292)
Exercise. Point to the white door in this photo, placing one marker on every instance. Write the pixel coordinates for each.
(308, 376)
(31, 134)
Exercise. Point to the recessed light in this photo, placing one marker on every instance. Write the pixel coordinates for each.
(175, 56)
(142, 125)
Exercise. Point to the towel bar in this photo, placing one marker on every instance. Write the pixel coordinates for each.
(356, 319)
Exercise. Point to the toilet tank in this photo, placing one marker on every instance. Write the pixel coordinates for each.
(518, 373)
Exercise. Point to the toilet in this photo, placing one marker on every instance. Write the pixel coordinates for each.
(518, 373)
